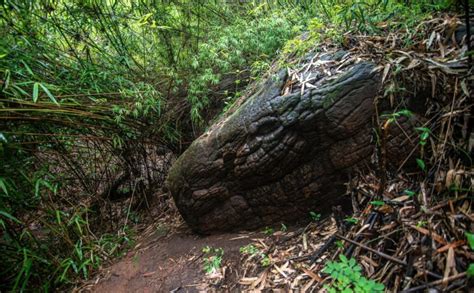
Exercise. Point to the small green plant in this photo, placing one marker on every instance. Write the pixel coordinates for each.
(470, 270)
(351, 220)
(314, 216)
(265, 261)
(283, 228)
(377, 203)
(470, 241)
(347, 276)
(394, 116)
(251, 250)
(422, 224)
(424, 135)
(213, 259)
(268, 231)
(340, 244)
(410, 193)
(421, 164)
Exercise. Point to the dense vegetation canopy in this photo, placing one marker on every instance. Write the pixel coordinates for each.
(99, 96)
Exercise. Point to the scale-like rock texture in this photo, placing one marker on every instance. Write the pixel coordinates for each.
(278, 156)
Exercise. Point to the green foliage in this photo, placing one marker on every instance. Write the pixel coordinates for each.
(333, 18)
(421, 164)
(410, 193)
(86, 86)
(252, 251)
(424, 135)
(90, 83)
(351, 220)
(377, 203)
(249, 249)
(470, 270)
(29, 257)
(268, 231)
(213, 259)
(314, 216)
(392, 117)
(470, 241)
(247, 43)
(422, 223)
(347, 276)
(265, 260)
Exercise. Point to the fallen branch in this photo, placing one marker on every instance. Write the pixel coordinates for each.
(386, 256)
(434, 283)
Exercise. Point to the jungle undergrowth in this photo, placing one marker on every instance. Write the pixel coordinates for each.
(87, 88)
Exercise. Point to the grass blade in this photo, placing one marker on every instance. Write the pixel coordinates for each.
(8, 216)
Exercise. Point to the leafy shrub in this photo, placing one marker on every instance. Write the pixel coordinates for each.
(213, 259)
(86, 86)
(347, 277)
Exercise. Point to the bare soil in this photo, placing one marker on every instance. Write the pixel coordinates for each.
(171, 263)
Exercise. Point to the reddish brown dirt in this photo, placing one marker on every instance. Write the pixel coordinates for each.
(171, 263)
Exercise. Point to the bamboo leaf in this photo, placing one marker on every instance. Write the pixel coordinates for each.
(3, 186)
(7, 79)
(22, 91)
(49, 94)
(27, 68)
(35, 92)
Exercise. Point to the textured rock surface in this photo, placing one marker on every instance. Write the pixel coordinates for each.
(278, 156)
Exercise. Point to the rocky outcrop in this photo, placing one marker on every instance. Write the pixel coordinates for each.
(278, 156)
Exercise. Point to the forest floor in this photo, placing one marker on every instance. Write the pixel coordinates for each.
(402, 242)
(407, 231)
(170, 262)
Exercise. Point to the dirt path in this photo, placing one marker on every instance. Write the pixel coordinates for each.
(170, 263)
